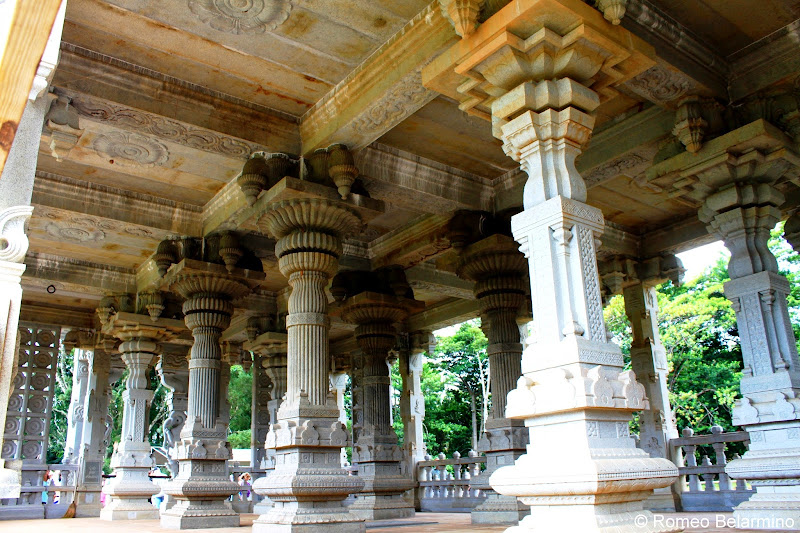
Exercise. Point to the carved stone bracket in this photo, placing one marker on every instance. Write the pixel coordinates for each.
(13, 241)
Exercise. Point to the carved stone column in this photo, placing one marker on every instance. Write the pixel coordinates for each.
(412, 401)
(529, 69)
(202, 484)
(93, 449)
(173, 371)
(380, 459)
(498, 270)
(636, 281)
(338, 386)
(132, 461)
(308, 484)
(739, 175)
(269, 386)
(80, 386)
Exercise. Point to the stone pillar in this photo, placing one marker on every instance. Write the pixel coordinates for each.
(636, 281)
(202, 484)
(231, 355)
(742, 213)
(308, 484)
(131, 488)
(529, 68)
(338, 386)
(380, 459)
(94, 444)
(80, 387)
(498, 270)
(412, 402)
(269, 383)
(173, 372)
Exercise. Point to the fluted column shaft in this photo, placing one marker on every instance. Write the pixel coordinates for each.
(307, 326)
(505, 353)
(307, 435)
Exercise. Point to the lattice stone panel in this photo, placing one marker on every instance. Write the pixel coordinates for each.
(31, 402)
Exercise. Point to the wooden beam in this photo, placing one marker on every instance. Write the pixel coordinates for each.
(30, 30)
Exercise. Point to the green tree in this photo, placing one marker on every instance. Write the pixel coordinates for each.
(240, 398)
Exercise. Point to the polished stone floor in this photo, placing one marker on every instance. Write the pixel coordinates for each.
(422, 522)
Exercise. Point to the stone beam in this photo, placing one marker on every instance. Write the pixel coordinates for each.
(448, 313)
(765, 62)
(419, 241)
(95, 75)
(68, 194)
(426, 277)
(72, 272)
(407, 180)
(382, 91)
(56, 315)
(686, 64)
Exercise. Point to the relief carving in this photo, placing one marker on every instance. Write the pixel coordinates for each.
(132, 149)
(242, 16)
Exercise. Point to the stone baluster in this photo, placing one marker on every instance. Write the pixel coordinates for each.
(529, 68)
(173, 371)
(202, 484)
(131, 488)
(498, 270)
(308, 435)
(708, 479)
(721, 459)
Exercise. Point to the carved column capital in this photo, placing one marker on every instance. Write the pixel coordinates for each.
(621, 271)
(13, 241)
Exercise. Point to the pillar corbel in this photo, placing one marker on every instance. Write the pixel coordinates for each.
(380, 459)
(791, 231)
(140, 337)
(539, 70)
(498, 269)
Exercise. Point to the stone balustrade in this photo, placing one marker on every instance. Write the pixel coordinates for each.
(441, 490)
(31, 503)
(706, 486)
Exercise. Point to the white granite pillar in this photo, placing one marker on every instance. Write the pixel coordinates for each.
(80, 387)
(131, 488)
(742, 214)
(308, 435)
(173, 372)
(94, 445)
(412, 401)
(338, 386)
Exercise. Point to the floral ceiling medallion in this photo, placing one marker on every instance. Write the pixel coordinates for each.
(242, 16)
(132, 149)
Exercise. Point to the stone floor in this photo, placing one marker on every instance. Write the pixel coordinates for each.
(422, 522)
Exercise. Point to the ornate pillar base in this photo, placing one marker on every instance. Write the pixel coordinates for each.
(202, 484)
(384, 485)
(87, 503)
(503, 443)
(308, 485)
(131, 489)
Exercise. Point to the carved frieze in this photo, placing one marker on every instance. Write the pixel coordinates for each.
(163, 128)
(661, 85)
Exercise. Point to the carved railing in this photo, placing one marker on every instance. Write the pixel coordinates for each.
(448, 490)
(37, 500)
(704, 486)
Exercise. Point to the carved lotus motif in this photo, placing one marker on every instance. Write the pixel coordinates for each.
(132, 149)
(242, 16)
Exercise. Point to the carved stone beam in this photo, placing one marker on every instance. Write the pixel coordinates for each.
(421, 240)
(382, 91)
